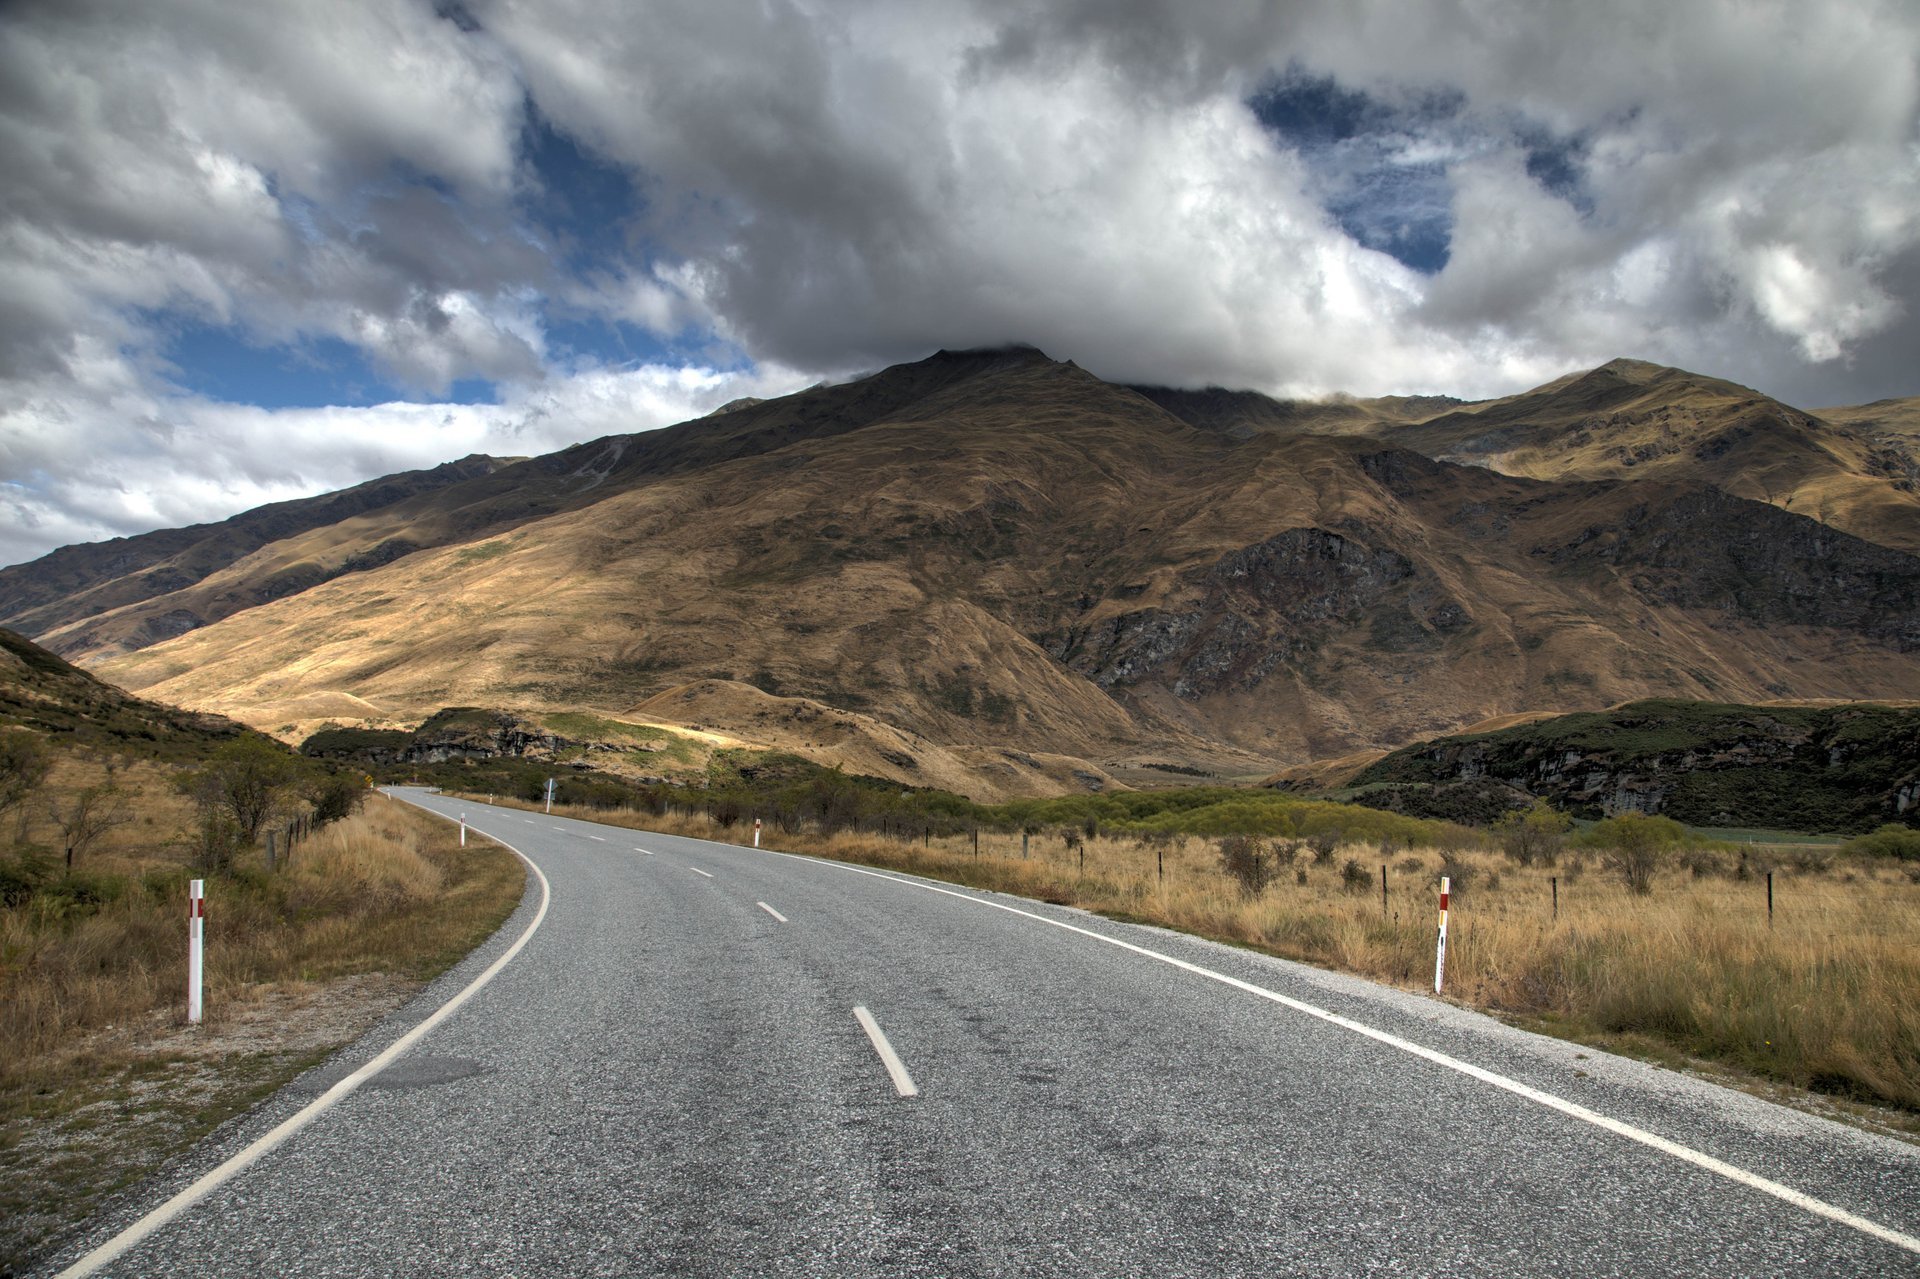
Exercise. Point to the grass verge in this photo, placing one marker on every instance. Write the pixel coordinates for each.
(100, 1080)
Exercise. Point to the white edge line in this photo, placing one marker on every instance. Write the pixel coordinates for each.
(771, 911)
(696, 870)
(896, 1069)
(117, 1246)
(1686, 1154)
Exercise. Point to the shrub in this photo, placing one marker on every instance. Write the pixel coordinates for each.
(1354, 877)
(1891, 840)
(1459, 871)
(21, 877)
(1323, 843)
(1812, 861)
(1250, 860)
(1533, 834)
(335, 796)
(1634, 846)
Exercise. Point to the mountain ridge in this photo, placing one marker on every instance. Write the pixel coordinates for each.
(995, 549)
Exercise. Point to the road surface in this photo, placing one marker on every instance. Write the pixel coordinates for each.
(708, 1060)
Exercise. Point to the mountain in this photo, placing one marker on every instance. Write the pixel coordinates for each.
(1630, 419)
(994, 551)
(1857, 469)
(84, 581)
(93, 601)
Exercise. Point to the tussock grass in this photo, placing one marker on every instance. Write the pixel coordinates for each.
(98, 1084)
(1825, 998)
(383, 890)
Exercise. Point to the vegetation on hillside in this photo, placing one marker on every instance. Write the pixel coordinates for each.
(1801, 768)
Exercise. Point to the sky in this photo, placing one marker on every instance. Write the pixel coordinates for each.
(253, 250)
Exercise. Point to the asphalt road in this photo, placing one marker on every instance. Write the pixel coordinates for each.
(670, 1079)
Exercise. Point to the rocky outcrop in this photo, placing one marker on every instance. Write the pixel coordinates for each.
(455, 734)
(1706, 549)
(1267, 604)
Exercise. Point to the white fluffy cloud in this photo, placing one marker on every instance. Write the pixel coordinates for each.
(1732, 185)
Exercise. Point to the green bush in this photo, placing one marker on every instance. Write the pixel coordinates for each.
(1635, 846)
(1891, 840)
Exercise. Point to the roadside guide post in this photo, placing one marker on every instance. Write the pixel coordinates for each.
(196, 948)
(1440, 954)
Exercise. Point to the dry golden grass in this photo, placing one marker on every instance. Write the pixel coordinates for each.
(99, 1082)
(1826, 998)
(383, 891)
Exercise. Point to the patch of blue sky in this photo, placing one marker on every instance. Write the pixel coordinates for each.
(1371, 160)
(220, 364)
(606, 340)
(1379, 165)
(1558, 164)
(586, 209)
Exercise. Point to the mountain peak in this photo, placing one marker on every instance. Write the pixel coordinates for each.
(1637, 372)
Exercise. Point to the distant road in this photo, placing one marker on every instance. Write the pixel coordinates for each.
(708, 1060)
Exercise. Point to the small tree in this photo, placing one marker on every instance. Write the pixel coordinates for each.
(1250, 860)
(250, 779)
(87, 816)
(216, 840)
(24, 763)
(1634, 845)
(334, 795)
(1323, 842)
(1534, 834)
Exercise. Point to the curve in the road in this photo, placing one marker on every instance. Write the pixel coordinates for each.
(115, 1247)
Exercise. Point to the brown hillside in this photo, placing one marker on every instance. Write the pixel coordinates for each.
(87, 605)
(993, 550)
(1633, 420)
(862, 744)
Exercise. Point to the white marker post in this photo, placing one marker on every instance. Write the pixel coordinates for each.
(463, 830)
(549, 794)
(196, 947)
(756, 832)
(1440, 956)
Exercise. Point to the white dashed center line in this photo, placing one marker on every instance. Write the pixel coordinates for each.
(896, 1069)
(771, 911)
(696, 870)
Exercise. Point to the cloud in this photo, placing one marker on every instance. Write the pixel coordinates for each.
(1096, 178)
(568, 200)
